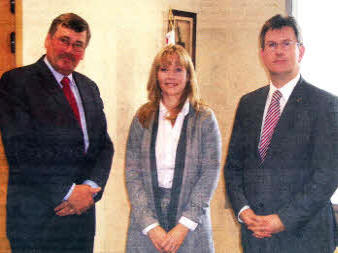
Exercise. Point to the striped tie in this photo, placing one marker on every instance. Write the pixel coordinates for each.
(270, 123)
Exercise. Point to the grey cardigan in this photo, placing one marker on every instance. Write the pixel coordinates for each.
(200, 177)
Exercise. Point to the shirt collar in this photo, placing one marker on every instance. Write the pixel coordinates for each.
(58, 76)
(184, 111)
(287, 89)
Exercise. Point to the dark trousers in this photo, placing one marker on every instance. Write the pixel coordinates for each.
(84, 245)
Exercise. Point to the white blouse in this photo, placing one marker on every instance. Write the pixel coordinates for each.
(167, 139)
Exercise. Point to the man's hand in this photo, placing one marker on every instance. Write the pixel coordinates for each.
(271, 224)
(175, 238)
(157, 236)
(254, 223)
(79, 201)
(249, 217)
(64, 209)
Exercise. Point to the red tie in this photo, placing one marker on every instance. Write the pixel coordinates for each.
(70, 97)
(270, 123)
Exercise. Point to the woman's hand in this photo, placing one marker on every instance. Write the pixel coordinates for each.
(174, 238)
(157, 235)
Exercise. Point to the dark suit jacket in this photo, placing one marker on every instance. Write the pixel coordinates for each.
(299, 174)
(45, 150)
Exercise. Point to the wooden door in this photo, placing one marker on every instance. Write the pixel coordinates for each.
(4, 245)
(7, 27)
(7, 61)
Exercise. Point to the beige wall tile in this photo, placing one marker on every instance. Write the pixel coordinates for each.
(126, 35)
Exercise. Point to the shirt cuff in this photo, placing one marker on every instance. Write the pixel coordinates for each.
(69, 192)
(188, 223)
(240, 211)
(91, 184)
(150, 227)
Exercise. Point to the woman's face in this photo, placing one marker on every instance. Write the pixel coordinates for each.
(172, 77)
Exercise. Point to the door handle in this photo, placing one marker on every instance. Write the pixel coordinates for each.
(12, 6)
(12, 42)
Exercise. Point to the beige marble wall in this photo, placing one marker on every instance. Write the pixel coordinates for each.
(125, 37)
(228, 67)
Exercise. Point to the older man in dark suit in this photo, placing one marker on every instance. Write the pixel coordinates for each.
(282, 165)
(57, 145)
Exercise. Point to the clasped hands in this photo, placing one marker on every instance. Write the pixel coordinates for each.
(79, 201)
(262, 226)
(168, 242)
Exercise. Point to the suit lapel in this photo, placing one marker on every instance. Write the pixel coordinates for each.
(179, 171)
(292, 114)
(86, 96)
(49, 84)
(153, 167)
(52, 88)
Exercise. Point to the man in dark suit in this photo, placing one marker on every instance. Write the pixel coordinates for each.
(57, 146)
(282, 164)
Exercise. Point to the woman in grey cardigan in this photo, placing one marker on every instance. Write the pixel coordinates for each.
(172, 162)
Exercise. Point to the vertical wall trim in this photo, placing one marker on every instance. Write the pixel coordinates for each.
(288, 7)
(18, 33)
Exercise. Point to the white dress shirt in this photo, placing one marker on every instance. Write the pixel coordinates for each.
(58, 76)
(167, 139)
(286, 91)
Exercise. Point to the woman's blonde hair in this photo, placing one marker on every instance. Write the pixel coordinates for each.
(191, 90)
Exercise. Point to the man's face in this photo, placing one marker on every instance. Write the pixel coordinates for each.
(282, 54)
(65, 49)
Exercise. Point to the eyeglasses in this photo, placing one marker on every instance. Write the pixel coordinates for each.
(65, 42)
(285, 45)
